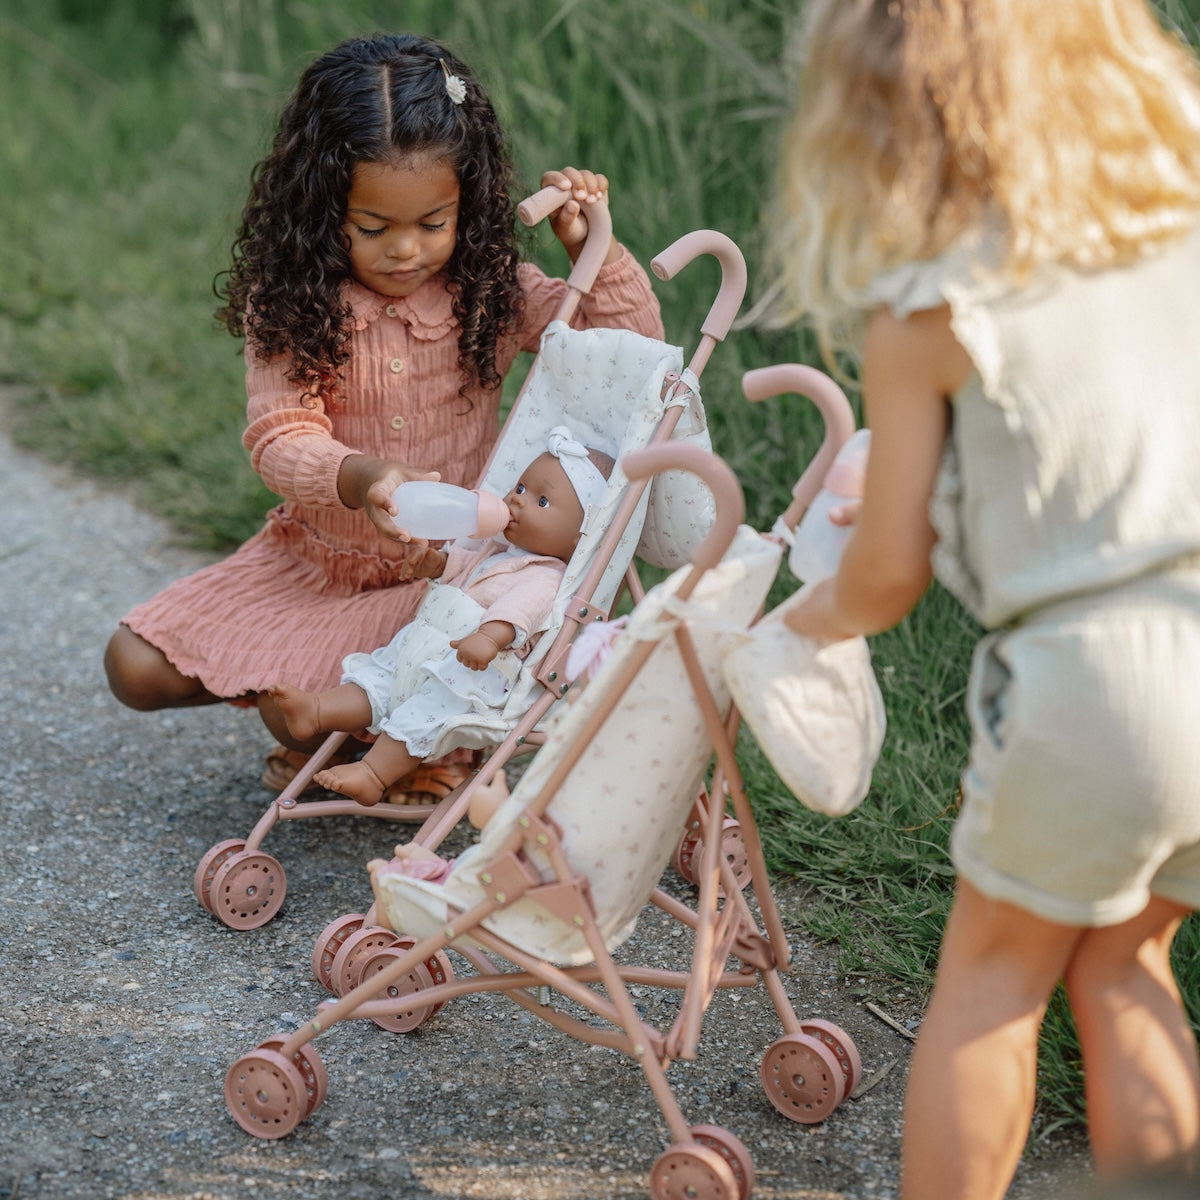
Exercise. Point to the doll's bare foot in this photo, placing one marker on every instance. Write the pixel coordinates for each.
(356, 780)
(301, 710)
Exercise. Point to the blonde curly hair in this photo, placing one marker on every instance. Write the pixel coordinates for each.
(1073, 128)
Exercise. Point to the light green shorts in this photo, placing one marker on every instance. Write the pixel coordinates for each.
(1082, 795)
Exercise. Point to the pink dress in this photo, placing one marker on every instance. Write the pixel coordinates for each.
(318, 582)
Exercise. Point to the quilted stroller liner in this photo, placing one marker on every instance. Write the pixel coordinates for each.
(617, 391)
(556, 882)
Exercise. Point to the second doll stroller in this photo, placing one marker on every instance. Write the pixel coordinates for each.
(544, 901)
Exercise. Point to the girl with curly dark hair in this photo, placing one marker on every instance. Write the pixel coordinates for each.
(377, 282)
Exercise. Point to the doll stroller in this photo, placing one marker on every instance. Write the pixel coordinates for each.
(543, 902)
(617, 391)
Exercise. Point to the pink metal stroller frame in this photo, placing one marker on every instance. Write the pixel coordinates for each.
(243, 885)
(536, 908)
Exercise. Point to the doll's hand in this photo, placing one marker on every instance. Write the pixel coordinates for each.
(476, 650)
(569, 223)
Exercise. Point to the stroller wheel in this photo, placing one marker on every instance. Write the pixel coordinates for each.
(803, 1078)
(266, 1094)
(691, 1171)
(842, 1045)
(308, 1062)
(247, 889)
(730, 1147)
(207, 866)
(328, 943)
(423, 976)
(687, 852)
(346, 972)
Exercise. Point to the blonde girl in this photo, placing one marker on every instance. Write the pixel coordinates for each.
(995, 204)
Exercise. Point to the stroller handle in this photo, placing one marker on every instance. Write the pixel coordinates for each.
(726, 491)
(764, 382)
(732, 291)
(587, 266)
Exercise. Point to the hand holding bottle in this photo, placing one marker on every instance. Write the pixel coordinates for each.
(441, 511)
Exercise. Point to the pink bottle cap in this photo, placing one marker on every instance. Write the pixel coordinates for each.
(493, 515)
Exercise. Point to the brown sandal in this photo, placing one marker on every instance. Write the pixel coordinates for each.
(433, 781)
(283, 765)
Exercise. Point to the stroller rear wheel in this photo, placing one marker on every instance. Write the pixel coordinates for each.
(346, 972)
(688, 851)
(432, 971)
(328, 943)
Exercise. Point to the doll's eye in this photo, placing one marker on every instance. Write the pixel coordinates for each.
(543, 502)
(519, 489)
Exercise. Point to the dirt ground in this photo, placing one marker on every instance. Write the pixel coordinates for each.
(123, 1002)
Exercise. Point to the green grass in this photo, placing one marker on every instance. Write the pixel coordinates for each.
(126, 142)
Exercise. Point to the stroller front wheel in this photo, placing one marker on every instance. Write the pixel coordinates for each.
(308, 1062)
(842, 1045)
(731, 1148)
(692, 1171)
(207, 866)
(266, 1094)
(247, 889)
(803, 1078)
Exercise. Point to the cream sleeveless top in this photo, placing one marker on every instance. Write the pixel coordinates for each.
(1073, 462)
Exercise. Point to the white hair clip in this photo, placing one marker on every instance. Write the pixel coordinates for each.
(455, 88)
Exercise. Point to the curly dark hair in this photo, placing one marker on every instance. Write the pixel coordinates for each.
(380, 99)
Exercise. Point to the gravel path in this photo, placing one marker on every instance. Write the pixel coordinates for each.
(122, 1002)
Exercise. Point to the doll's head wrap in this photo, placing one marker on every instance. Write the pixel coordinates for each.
(584, 476)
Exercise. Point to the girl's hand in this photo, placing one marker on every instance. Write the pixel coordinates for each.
(368, 483)
(569, 223)
(816, 614)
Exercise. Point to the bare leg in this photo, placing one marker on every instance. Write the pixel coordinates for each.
(971, 1087)
(366, 780)
(142, 677)
(1139, 1054)
(307, 714)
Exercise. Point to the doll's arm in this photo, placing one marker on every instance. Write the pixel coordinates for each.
(477, 649)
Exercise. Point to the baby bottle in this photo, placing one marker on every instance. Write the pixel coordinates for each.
(441, 511)
(818, 545)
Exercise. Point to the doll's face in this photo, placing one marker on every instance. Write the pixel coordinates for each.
(401, 223)
(545, 511)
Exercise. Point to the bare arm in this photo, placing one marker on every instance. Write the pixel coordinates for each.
(478, 649)
(910, 369)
